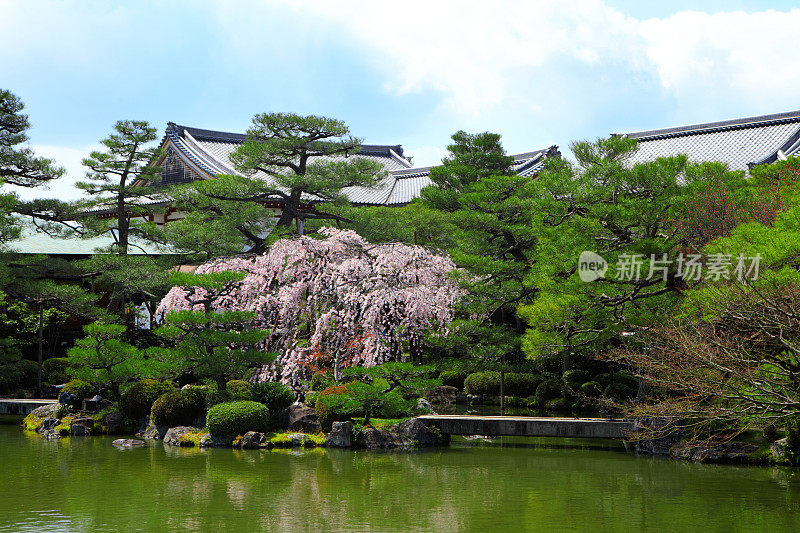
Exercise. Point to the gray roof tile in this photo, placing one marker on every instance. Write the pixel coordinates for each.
(739, 143)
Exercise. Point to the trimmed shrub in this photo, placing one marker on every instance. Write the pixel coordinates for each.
(592, 389)
(482, 383)
(547, 390)
(274, 394)
(237, 418)
(239, 390)
(334, 407)
(137, 401)
(81, 389)
(55, 370)
(454, 378)
(178, 407)
(516, 384)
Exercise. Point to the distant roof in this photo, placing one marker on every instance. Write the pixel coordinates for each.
(740, 143)
(208, 153)
(34, 242)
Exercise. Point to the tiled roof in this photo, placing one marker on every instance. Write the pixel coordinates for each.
(739, 143)
(209, 152)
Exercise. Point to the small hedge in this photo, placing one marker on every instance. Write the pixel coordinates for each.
(547, 390)
(239, 390)
(81, 389)
(454, 378)
(575, 378)
(179, 407)
(27, 373)
(237, 418)
(274, 394)
(591, 389)
(516, 384)
(137, 401)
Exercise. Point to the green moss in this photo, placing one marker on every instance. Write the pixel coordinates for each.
(191, 439)
(282, 440)
(31, 423)
(63, 427)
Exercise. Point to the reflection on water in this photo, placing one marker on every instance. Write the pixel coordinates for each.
(502, 484)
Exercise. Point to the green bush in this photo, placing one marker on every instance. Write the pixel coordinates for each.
(55, 370)
(137, 401)
(334, 407)
(592, 389)
(274, 394)
(548, 390)
(178, 407)
(620, 391)
(575, 378)
(237, 418)
(320, 381)
(516, 384)
(81, 389)
(454, 378)
(240, 390)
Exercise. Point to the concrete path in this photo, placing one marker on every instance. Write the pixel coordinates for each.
(17, 406)
(530, 426)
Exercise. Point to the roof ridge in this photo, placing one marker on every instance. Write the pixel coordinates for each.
(711, 127)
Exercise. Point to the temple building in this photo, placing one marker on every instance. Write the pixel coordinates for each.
(740, 143)
(193, 153)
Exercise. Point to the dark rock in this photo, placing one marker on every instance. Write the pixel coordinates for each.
(341, 435)
(152, 431)
(81, 426)
(778, 449)
(112, 422)
(253, 439)
(655, 436)
(128, 443)
(94, 404)
(48, 424)
(443, 394)
(299, 417)
(211, 441)
(726, 452)
(424, 407)
(419, 434)
(51, 435)
(173, 436)
(300, 439)
(52, 410)
(376, 439)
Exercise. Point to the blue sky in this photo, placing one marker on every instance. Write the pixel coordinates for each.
(410, 73)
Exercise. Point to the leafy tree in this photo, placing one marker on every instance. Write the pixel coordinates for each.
(19, 166)
(219, 228)
(219, 345)
(306, 159)
(105, 359)
(491, 208)
(625, 214)
(471, 158)
(117, 180)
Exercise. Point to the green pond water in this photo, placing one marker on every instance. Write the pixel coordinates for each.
(504, 485)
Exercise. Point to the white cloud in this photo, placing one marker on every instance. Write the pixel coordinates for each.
(485, 57)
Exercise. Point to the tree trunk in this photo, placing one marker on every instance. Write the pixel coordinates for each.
(41, 342)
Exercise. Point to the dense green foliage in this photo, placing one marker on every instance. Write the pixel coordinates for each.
(178, 408)
(240, 390)
(237, 418)
(137, 401)
(516, 384)
(275, 395)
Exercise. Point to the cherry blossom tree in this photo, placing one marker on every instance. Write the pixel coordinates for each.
(337, 302)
